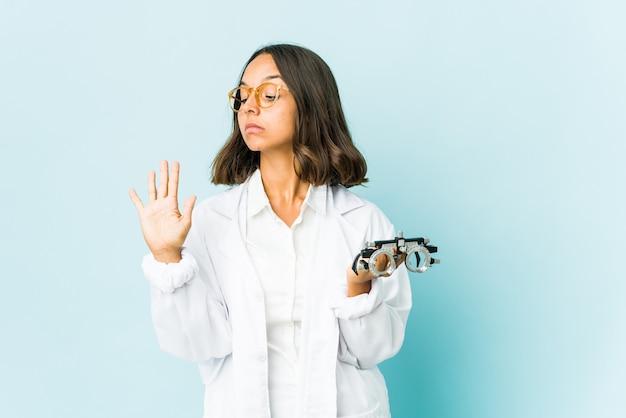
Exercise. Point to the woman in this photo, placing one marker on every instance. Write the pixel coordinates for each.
(258, 289)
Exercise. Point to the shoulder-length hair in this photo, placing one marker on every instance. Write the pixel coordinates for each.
(322, 144)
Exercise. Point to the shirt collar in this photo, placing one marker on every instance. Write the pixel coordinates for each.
(257, 199)
(316, 198)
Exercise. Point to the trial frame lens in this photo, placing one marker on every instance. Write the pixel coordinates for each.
(266, 94)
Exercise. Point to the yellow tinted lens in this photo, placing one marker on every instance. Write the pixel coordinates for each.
(267, 94)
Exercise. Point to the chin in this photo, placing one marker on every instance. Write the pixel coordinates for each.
(252, 146)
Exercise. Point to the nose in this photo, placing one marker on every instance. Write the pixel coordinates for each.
(250, 106)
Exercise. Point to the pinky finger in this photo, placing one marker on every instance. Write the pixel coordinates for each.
(135, 199)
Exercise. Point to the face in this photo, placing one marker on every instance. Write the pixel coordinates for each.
(271, 129)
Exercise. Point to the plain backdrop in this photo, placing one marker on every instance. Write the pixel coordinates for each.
(496, 128)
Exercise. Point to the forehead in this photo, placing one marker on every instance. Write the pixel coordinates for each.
(261, 69)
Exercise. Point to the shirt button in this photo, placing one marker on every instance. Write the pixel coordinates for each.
(259, 296)
(260, 357)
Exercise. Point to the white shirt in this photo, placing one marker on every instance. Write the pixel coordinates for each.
(282, 258)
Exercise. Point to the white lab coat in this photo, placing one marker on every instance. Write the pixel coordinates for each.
(210, 309)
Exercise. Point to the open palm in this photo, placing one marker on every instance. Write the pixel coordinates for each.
(164, 227)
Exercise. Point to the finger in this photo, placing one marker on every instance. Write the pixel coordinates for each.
(152, 193)
(173, 182)
(188, 208)
(402, 259)
(163, 178)
(382, 262)
(135, 198)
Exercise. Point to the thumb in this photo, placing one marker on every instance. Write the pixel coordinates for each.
(188, 207)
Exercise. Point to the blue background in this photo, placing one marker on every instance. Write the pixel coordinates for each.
(496, 128)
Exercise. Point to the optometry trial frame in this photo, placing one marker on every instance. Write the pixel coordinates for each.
(392, 250)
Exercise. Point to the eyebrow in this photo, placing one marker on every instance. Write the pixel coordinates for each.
(269, 77)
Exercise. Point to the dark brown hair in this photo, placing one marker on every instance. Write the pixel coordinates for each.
(323, 148)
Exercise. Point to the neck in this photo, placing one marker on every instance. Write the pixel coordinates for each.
(280, 179)
(284, 189)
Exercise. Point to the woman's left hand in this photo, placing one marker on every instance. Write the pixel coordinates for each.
(362, 282)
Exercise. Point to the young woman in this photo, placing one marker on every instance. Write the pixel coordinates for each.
(258, 289)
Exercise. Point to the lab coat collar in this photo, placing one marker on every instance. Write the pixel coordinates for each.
(227, 203)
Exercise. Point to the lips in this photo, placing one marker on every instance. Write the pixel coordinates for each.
(252, 128)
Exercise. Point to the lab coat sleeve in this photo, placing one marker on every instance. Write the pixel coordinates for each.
(372, 325)
(189, 314)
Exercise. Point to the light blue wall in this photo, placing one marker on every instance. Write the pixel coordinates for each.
(496, 128)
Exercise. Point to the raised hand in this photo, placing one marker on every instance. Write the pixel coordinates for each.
(164, 227)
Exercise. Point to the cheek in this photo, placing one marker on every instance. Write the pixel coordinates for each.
(290, 121)
(242, 130)
(239, 121)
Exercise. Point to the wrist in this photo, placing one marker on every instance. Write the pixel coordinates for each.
(358, 288)
(167, 256)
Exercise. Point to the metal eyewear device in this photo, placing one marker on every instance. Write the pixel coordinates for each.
(392, 250)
